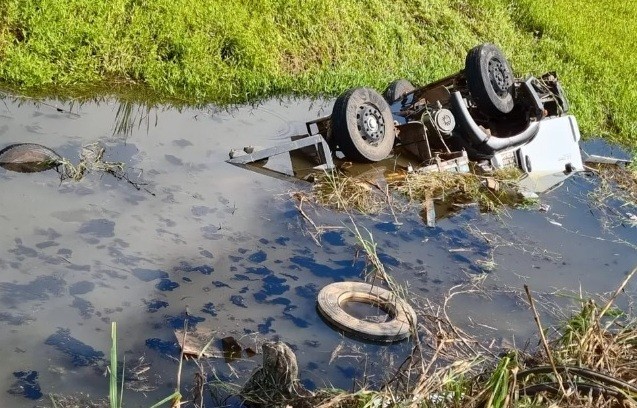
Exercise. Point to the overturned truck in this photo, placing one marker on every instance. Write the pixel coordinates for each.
(481, 114)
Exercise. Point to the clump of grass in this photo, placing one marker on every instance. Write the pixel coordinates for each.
(623, 178)
(489, 191)
(616, 184)
(341, 192)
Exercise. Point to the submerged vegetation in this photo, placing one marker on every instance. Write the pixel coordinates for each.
(230, 52)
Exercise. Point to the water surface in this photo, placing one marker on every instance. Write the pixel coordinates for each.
(223, 248)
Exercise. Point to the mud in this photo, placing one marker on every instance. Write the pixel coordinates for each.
(213, 245)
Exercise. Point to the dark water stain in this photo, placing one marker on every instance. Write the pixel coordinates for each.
(81, 354)
(27, 385)
(348, 268)
(46, 244)
(173, 160)
(262, 270)
(76, 267)
(148, 275)
(98, 228)
(206, 253)
(166, 285)
(76, 189)
(22, 250)
(266, 327)
(387, 227)
(186, 267)
(312, 343)
(258, 257)
(240, 277)
(211, 232)
(209, 308)
(238, 300)
(81, 288)
(308, 291)
(65, 252)
(164, 347)
(388, 260)
(183, 320)
(182, 143)
(49, 233)
(334, 238)
(298, 322)
(84, 306)
(282, 241)
(15, 319)
(154, 305)
(308, 384)
(202, 211)
(273, 285)
(41, 288)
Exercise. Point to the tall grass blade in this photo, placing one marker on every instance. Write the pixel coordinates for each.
(113, 368)
(174, 395)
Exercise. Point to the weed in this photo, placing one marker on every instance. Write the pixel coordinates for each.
(344, 193)
(491, 192)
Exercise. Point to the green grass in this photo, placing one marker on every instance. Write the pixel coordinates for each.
(200, 51)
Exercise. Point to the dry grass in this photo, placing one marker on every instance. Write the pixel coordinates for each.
(617, 184)
(341, 192)
(490, 191)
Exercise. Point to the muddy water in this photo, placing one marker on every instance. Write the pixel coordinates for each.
(225, 249)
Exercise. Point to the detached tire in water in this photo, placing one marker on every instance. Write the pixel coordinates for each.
(490, 79)
(28, 158)
(397, 89)
(363, 126)
(333, 297)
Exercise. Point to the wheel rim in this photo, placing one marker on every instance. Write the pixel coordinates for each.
(371, 124)
(499, 76)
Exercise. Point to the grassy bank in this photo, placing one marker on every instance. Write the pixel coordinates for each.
(226, 52)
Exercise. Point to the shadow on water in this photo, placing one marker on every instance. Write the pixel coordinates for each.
(224, 249)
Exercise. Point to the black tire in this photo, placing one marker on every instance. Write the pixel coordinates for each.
(363, 125)
(490, 79)
(397, 89)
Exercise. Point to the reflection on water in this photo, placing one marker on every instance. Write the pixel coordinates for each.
(218, 247)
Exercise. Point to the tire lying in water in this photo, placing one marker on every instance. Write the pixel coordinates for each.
(28, 158)
(333, 297)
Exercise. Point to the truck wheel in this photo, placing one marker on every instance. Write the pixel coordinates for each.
(362, 125)
(490, 79)
(397, 89)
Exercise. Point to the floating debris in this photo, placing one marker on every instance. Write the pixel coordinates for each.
(29, 158)
(91, 159)
(196, 343)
